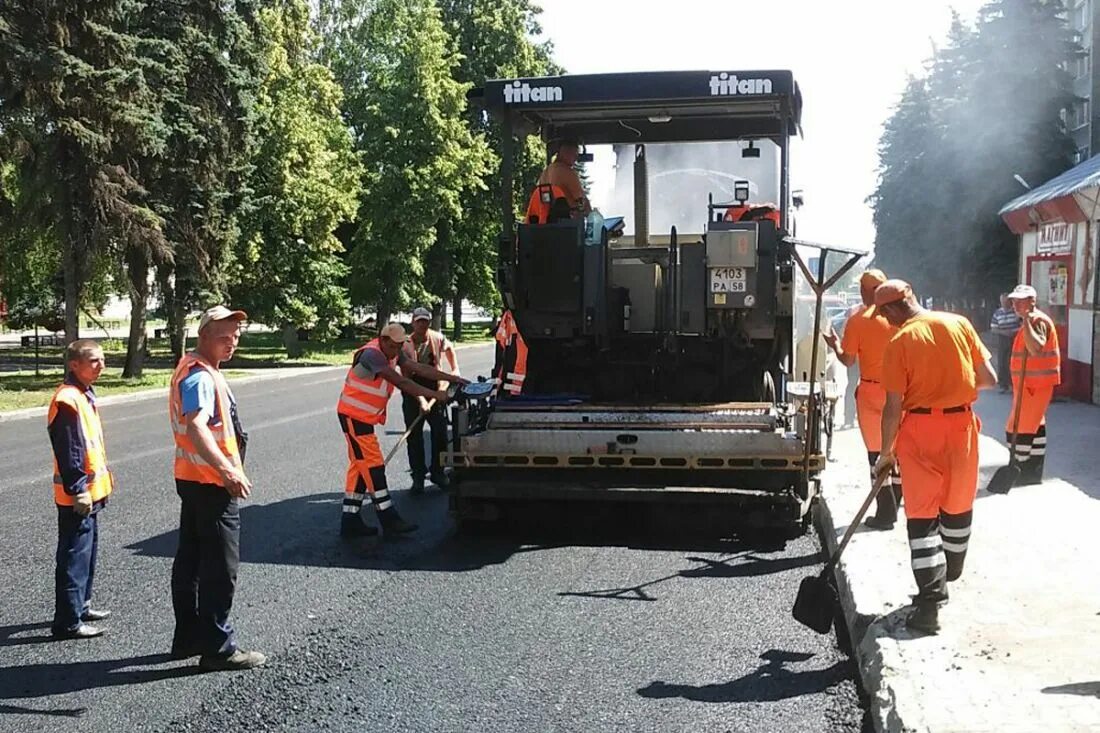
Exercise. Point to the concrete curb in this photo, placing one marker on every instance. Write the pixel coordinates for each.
(148, 394)
(865, 632)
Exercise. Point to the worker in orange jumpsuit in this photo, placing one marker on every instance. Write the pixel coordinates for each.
(932, 370)
(1038, 337)
(865, 337)
(559, 180)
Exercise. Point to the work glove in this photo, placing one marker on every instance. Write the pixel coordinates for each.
(82, 504)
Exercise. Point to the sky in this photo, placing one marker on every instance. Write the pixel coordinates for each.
(851, 59)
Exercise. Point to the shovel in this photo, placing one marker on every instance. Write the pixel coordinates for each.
(1005, 477)
(815, 604)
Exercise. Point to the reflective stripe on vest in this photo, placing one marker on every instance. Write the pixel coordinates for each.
(364, 398)
(189, 465)
(1044, 368)
(511, 368)
(99, 483)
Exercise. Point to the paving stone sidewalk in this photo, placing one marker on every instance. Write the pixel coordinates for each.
(1020, 647)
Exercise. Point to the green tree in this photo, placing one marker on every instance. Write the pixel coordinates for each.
(495, 40)
(306, 181)
(75, 112)
(989, 106)
(395, 62)
(207, 67)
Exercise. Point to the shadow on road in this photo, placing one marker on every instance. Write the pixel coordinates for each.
(304, 531)
(748, 563)
(1084, 689)
(770, 682)
(20, 710)
(57, 678)
(9, 634)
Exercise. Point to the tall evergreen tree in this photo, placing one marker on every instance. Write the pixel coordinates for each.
(76, 110)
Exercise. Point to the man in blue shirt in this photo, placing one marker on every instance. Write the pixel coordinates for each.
(82, 483)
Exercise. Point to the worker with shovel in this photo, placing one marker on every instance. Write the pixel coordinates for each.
(362, 407)
(932, 371)
(865, 337)
(1036, 348)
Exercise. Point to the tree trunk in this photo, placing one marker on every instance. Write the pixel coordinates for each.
(72, 275)
(138, 270)
(290, 341)
(437, 316)
(456, 312)
(178, 327)
(172, 311)
(443, 316)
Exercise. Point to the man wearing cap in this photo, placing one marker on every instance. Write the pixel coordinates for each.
(865, 337)
(1038, 338)
(362, 406)
(210, 481)
(932, 370)
(427, 347)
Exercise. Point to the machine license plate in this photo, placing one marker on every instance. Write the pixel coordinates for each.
(727, 280)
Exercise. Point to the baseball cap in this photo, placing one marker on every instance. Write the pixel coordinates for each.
(892, 291)
(220, 313)
(395, 332)
(872, 277)
(422, 314)
(1022, 291)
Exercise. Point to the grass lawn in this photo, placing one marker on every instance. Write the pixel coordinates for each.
(25, 389)
(21, 388)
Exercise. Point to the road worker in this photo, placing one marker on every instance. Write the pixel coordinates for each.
(81, 484)
(431, 348)
(865, 337)
(1038, 337)
(559, 181)
(211, 482)
(361, 408)
(932, 370)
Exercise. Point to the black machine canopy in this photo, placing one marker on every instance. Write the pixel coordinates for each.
(663, 106)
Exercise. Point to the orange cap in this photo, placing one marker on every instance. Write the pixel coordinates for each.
(892, 291)
(871, 278)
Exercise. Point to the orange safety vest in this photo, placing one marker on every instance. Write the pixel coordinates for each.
(365, 399)
(437, 342)
(511, 361)
(100, 482)
(542, 200)
(753, 212)
(1043, 369)
(189, 465)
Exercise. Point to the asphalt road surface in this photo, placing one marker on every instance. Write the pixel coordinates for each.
(538, 628)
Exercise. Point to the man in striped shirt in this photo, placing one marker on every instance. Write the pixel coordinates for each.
(1004, 325)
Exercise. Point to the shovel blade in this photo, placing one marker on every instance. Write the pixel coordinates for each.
(1004, 478)
(815, 604)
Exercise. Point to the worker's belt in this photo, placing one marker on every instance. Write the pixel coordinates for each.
(939, 410)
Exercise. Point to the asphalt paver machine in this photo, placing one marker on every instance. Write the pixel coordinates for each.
(658, 365)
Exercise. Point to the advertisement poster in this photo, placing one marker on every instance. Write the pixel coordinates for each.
(1059, 285)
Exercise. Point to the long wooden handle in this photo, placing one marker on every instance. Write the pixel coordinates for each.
(875, 488)
(416, 424)
(1019, 404)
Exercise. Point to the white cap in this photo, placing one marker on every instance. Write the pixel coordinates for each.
(395, 332)
(422, 314)
(1022, 291)
(220, 313)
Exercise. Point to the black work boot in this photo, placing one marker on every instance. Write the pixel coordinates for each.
(1031, 472)
(439, 478)
(392, 523)
(886, 510)
(417, 485)
(925, 617)
(352, 525)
